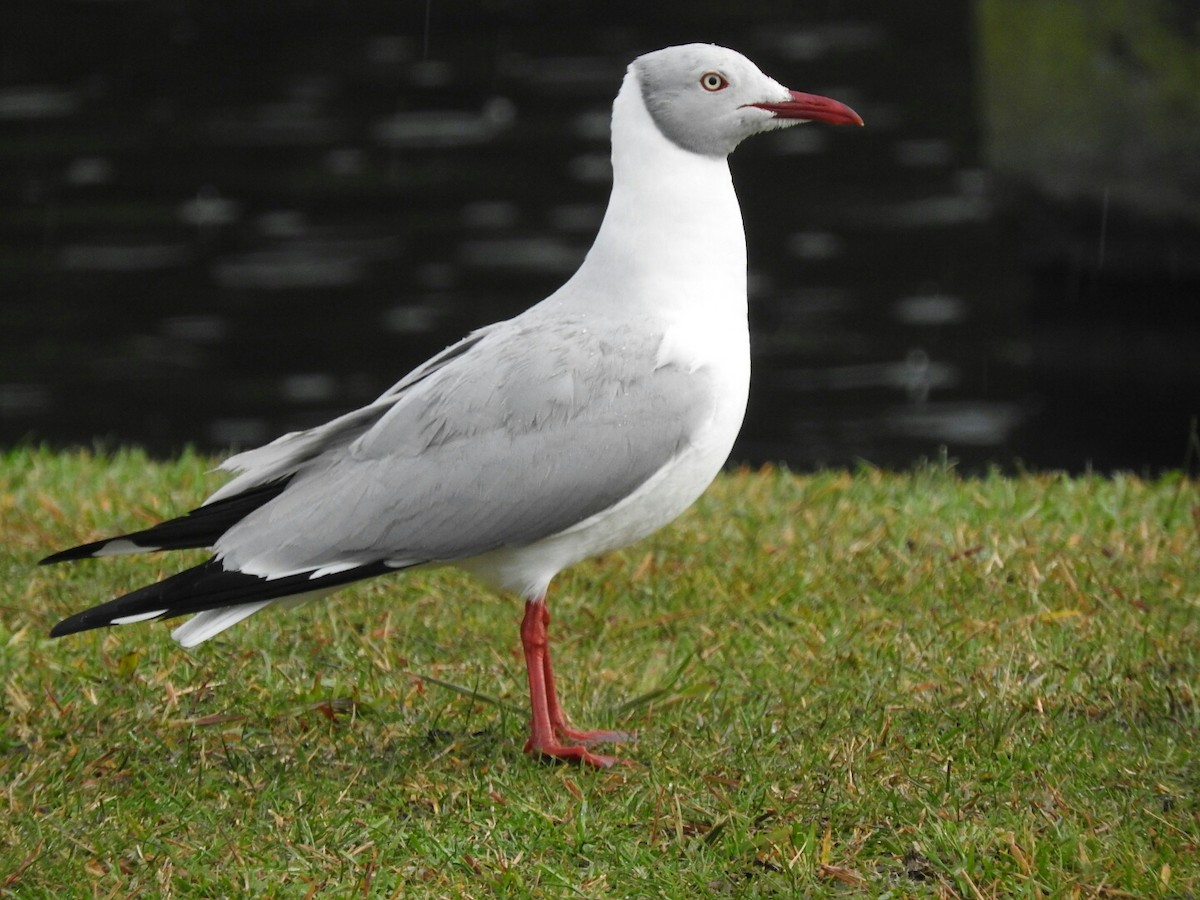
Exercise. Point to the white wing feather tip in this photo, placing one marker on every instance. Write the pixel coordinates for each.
(137, 617)
(122, 546)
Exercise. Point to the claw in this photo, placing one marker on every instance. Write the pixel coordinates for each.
(592, 738)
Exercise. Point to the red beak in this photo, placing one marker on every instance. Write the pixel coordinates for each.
(812, 108)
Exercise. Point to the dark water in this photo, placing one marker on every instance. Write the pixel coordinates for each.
(224, 221)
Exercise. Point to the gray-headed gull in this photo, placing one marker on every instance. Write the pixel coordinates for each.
(583, 424)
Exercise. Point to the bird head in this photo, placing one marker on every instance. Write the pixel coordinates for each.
(708, 99)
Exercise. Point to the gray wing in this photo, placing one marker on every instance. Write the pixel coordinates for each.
(534, 427)
(289, 453)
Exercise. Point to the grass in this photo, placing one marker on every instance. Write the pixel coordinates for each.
(913, 685)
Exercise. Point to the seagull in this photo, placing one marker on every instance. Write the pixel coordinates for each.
(580, 426)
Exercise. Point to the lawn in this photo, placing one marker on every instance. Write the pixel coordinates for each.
(845, 683)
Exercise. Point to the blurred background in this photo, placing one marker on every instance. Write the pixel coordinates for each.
(220, 221)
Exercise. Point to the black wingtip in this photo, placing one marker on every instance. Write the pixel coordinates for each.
(96, 617)
(199, 528)
(86, 551)
(70, 625)
(206, 586)
(121, 545)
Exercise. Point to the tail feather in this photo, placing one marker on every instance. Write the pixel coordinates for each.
(204, 625)
(199, 528)
(204, 587)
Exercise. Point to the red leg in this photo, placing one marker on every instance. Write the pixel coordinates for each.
(558, 719)
(548, 726)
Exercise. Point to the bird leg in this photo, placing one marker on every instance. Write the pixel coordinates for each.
(549, 728)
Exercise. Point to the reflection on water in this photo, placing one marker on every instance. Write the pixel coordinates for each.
(212, 238)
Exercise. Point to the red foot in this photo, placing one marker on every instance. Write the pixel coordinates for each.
(548, 725)
(575, 753)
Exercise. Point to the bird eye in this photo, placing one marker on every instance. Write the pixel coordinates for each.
(713, 81)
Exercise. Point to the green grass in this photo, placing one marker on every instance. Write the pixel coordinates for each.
(845, 684)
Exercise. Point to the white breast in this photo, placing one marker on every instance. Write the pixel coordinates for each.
(528, 570)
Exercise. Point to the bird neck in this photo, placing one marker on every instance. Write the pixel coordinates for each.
(673, 225)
